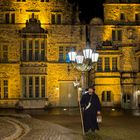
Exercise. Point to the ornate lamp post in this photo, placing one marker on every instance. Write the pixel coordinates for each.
(85, 60)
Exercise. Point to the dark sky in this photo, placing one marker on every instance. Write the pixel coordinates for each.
(90, 9)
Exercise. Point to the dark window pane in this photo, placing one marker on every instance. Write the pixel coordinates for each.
(5, 84)
(30, 92)
(36, 91)
(114, 64)
(122, 16)
(7, 18)
(43, 86)
(30, 55)
(30, 87)
(108, 96)
(103, 96)
(37, 80)
(42, 55)
(43, 44)
(119, 35)
(99, 64)
(30, 81)
(24, 55)
(113, 35)
(53, 19)
(24, 44)
(13, 18)
(36, 50)
(107, 64)
(58, 19)
(24, 86)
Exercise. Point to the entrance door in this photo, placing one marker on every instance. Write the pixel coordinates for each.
(68, 95)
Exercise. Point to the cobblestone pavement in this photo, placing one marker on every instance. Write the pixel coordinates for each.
(17, 127)
(6, 129)
(117, 125)
(58, 124)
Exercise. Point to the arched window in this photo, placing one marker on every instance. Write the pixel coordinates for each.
(107, 96)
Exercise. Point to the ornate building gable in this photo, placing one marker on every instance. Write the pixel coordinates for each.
(33, 26)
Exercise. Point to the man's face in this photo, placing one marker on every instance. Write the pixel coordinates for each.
(90, 90)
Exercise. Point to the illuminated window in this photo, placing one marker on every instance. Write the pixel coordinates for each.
(114, 64)
(137, 17)
(117, 35)
(4, 53)
(99, 64)
(122, 16)
(106, 96)
(33, 86)
(3, 89)
(107, 64)
(33, 50)
(63, 53)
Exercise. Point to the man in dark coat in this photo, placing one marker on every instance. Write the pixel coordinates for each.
(91, 108)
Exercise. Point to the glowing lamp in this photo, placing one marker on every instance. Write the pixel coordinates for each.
(79, 59)
(72, 55)
(87, 53)
(95, 56)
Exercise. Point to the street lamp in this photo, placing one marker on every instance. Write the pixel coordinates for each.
(84, 60)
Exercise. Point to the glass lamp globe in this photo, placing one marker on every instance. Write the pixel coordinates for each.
(95, 57)
(72, 55)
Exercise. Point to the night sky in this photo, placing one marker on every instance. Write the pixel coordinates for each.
(90, 9)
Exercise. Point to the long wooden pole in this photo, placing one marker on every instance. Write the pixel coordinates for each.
(81, 113)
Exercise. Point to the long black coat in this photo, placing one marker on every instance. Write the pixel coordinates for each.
(90, 115)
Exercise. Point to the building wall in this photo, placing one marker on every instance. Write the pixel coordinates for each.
(70, 33)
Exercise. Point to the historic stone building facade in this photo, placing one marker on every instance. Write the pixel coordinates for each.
(35, 37)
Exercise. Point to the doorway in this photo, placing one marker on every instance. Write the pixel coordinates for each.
(68, 94)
